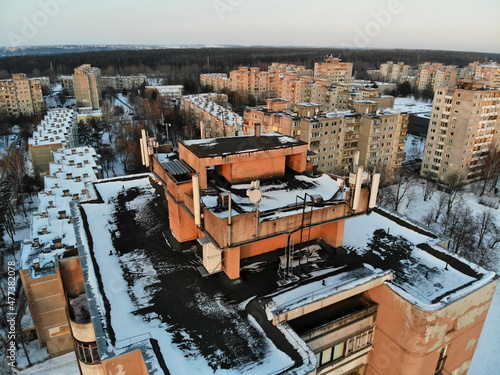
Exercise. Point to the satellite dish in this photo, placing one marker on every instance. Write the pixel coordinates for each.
(254, 195)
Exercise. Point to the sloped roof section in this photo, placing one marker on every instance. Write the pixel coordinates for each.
(177, 167)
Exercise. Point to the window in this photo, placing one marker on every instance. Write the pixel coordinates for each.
(87, 352)
(345, 348)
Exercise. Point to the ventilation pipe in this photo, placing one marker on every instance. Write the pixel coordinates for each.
(196, 200)
(357, 188)
(144, 148)
(374, 190)
(355, 160)
(229, 221)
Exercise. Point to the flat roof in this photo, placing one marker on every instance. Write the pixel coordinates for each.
(279, 195)
(212, 147)
(142, 282)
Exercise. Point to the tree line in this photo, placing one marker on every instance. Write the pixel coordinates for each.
(181, 64)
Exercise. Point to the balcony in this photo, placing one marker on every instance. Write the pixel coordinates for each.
(341, 334)
(79, 319)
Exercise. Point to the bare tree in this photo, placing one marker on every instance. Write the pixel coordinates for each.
(485, 256)
(402, 188)
(13, 171)
(410, 197)
(449, 222)
(463, 237)
(107, 159)
(429, 190)
(438, 207)
(491, 167)
(454, 184)
(6, 212)
(486, 224)
(127, 146)
(428, 218)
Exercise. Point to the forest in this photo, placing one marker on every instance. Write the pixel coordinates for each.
(183, 66)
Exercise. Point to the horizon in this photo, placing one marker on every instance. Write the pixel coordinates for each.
(393, 24)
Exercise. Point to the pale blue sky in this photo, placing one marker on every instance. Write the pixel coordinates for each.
(425, 24)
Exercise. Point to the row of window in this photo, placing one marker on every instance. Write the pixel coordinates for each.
(345, 348)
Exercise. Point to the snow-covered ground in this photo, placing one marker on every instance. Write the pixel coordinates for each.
(414, 147)
(62, 365)
(123, 102)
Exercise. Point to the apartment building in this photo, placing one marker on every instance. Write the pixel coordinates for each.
(67, 84)
(365, 134)
(21, 96)
(369, 136)
(219, 81)
(209, 112)
(253, 81)
(274, 117)
(121, 83)
(300, 70)
(266, 288)
(49, 257)
(287, 81)
(167, 92)
(436, 74)
(57, 130)
(489, 72)
(392, 72)
(464, 124)
(333, 70)
(87, 87)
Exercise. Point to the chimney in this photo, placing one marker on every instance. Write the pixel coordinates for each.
(257, 129)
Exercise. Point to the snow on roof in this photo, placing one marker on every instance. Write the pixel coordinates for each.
(51, 230)
(212, 147)
(411, 105)
(56, 127)
(150, 282)
(141, 282)
(318, 290)
(420, 276)
(277, 194)
(202, 104)
(165, 157)
(491, 64)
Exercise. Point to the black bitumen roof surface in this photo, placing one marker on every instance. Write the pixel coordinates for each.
(211, 147)
(206, 315)
(209, 315)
